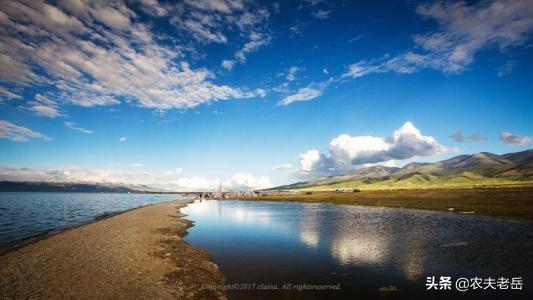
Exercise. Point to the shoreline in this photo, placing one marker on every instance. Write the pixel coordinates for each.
(44, 235)
(136, 253)
(508, 203)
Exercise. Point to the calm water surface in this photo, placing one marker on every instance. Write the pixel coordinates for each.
(360, 248)
(27, 215)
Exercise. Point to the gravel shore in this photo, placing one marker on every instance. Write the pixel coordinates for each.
(137, 254)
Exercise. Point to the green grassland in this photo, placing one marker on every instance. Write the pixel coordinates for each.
(423, 181)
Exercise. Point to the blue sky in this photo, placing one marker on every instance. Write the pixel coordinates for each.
(183, 95)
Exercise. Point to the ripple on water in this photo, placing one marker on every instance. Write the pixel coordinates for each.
(37, 213)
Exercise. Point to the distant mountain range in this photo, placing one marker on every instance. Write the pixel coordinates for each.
(481, 169)
(13, 186)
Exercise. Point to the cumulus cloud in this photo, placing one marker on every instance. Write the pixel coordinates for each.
(238, 182)
(514, 140)
(464, 30)
(123, 139)
(347, 153)
(195, 184)
(73, 126)
(249, 181)
(91, 53)
(170, 179)
(17, 133)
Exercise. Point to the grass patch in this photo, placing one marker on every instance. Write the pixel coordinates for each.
(510, 203)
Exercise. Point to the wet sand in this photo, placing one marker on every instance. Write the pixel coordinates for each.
(136, 254)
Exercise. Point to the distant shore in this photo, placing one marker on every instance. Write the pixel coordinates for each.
(509, 203)
(135, 254)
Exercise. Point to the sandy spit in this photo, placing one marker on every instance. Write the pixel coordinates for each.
(138, 254)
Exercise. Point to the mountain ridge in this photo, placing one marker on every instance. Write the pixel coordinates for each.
(474, 170)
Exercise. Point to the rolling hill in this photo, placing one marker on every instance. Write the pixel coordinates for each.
(463, 171)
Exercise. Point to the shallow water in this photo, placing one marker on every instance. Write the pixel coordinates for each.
(27, 215)
(361, 248)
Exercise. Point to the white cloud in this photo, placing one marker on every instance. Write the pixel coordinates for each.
(506, 68)
(310, 92)
(176, 171)
(256, 41)
(137, 165)
(17, 133)
(514, 140)
(154, 8)
(228, 64)
(260, 92)
(217, 5)
(311, 3)
(238, 182)
(75, 174)
(464, 30)
(347, 153)
(195, 184)
(355, 39)
(171, 179)
(283, 167)
(310, 160)
(296, 29)
(123, 139)
(291, 74)
(214, 21)
(45, 111)
(249, 181)
(321, 14)
(42, 106)
(8, 94)
(74, 126)
(99, 53)
(362, 68)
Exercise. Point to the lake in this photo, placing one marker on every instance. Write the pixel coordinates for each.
(27, 215)
(270, 245)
